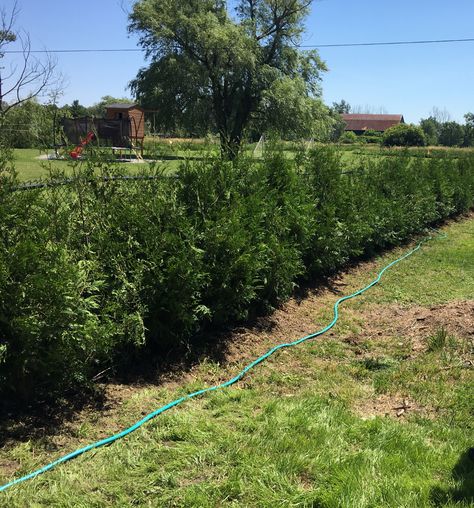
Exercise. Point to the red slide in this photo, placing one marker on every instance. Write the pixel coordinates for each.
(78, 150)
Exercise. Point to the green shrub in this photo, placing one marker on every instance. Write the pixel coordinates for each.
(404, 135)
(29, 125)
(431, 128)
(348, 138)
(371, 140)
(372, 137)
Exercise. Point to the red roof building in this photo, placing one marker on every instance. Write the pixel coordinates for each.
(362, 123)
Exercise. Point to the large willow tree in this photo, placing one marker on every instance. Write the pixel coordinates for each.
(213, 67)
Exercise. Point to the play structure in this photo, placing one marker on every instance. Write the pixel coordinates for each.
(79, 148)
(122, 129)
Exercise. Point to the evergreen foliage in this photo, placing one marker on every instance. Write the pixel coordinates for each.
(93, 275)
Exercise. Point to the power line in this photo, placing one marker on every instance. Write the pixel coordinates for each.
(110, 50)
(315, 46)
(391, 43)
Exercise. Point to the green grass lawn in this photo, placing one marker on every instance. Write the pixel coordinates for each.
(378, 413)
(29, 167)
(168, 158)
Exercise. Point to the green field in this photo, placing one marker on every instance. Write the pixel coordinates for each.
(379, 412)
(29, 167)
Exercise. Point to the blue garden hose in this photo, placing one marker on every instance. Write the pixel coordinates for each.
(232, 381)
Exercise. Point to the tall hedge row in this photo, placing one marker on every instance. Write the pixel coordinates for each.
(93, 275)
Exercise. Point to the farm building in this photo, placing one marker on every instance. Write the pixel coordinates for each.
(359, 124)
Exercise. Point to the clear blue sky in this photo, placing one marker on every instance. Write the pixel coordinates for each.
(403, 79)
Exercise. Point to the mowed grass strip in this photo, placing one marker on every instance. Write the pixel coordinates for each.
(356, 418)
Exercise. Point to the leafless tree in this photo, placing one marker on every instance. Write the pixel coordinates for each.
(441, 115)
(26, 76)
(125, 6)
(369, 110)
(54, 94)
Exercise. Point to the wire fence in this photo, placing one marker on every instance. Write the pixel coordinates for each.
(48, 184)
(72, 181)
(51, 183)
(43, 184)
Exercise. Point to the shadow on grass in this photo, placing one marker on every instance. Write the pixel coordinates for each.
(21, 422)
(463, 476)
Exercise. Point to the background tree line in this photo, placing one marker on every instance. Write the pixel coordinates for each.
(449, 133)
(436, 130)
(235, 73)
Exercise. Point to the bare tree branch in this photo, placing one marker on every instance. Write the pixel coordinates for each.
(25, 80)
(7, 22)
(125, 6)
(281, 14)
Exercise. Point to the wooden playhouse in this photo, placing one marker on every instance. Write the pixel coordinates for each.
(133, 116)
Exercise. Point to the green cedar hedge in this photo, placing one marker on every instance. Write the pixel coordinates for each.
(93, 275)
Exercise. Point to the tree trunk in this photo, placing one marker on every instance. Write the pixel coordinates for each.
(232, 129)
(230, 146)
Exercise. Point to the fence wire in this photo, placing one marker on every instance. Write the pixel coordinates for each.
(43, 184)
(46, 184)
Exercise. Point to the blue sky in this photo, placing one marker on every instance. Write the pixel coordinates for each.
(404, 79)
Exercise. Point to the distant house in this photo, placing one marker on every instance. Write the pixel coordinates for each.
(359, 124)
